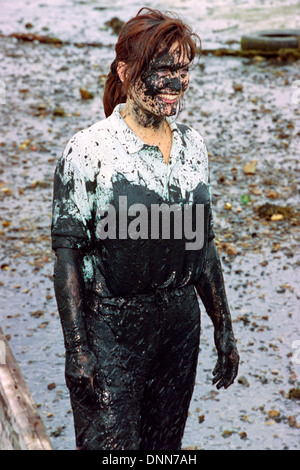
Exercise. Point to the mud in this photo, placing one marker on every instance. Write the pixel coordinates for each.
(248, 113)
(161, 79)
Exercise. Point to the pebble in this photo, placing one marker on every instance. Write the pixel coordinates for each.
(270, 422)
(226, 433)
(274, 413)
(243, 381)
(249, 168)
(85, 94)
(51, 386)
(231, 249)
(59, 111)
(276, 217)
(292, 421)
(238, 87)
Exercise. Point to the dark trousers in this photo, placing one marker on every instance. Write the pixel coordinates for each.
(147, 348)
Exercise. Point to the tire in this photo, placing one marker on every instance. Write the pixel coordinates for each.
(272, 40)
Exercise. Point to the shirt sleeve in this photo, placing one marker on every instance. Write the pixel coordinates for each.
(211, 233)
(199, 146)
(72, 212)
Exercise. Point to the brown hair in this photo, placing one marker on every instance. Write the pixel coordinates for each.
(140, 39)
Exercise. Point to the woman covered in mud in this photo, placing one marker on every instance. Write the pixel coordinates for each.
(126, 286)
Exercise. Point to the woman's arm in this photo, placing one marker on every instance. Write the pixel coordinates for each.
(212, 293)
(69, 292)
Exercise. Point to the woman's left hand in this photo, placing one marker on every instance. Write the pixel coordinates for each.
(227, 365)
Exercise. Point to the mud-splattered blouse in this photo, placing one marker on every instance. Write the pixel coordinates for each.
(103, 172)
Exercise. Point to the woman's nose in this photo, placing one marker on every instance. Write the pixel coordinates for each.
(174, 83)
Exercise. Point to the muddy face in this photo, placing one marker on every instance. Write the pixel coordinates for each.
(160, 88)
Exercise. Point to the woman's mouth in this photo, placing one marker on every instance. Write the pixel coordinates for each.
(169, 98)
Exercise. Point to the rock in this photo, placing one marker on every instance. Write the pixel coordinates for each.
(245, 418)
(102, 80)
(294, 394)
(41, 184)
(24, 144)
(201, 418)
(270, 422)
(231, 250)
(35, 37)
(256, 191)
(273, 413)
(250, 168)
(59, 111)
(292, 421)
(51, 386)
(267, 210)
(243, 381)
(37, 314)
(116, 24)
(85, 94)
(276, 217)
(57, 432)
(258, 58)
(226, 433)
(238, 87)
(244, 319)
(271, 194)
(275, 247)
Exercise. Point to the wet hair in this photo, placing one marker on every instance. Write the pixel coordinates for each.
(150, 33)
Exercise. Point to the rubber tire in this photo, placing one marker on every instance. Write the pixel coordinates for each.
(271, 40)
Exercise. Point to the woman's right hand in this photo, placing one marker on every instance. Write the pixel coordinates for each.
(80, 367)
(80, 371)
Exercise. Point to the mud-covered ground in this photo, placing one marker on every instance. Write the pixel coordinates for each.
(248, 112)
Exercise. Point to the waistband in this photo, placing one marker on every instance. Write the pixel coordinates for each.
(161, 295)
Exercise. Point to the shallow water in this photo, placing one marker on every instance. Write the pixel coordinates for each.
(260, 122)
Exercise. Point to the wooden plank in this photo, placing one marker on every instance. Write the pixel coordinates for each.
(21, 427)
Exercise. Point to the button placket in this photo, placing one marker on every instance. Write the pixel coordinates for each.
(172, 162)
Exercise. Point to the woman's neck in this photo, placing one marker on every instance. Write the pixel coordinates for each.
(150, 128)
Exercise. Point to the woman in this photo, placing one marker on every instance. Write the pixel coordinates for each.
(128, 302)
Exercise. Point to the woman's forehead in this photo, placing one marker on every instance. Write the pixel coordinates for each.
(173, 56)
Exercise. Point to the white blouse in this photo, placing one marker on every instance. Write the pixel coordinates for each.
(107, 165)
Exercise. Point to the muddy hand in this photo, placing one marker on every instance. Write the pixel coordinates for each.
(227, 365)
(80, 372)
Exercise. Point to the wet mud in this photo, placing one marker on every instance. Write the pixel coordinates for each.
(248, 115)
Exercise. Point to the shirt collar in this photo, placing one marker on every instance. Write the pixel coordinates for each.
(131, 142)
